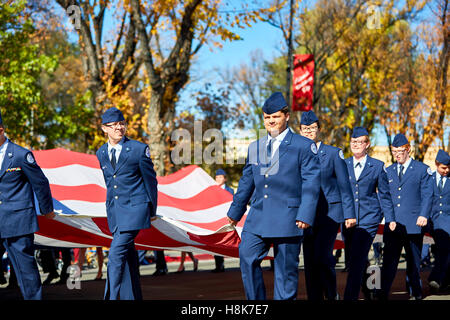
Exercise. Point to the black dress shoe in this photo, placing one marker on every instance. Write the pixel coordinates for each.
(159, 272)
(218, 270)
(50, 278)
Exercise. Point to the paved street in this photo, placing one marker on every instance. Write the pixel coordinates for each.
(200, 285)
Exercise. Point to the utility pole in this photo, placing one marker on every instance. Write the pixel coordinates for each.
(290, 60)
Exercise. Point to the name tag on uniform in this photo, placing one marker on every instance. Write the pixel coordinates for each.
(14, 169)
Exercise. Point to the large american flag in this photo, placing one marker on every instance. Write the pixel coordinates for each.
(191, 213)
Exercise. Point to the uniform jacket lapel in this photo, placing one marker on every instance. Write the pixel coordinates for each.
(124, 154)
(446, 188)
(322, 154)
(394, 173)
(282, 149)
(408, 172)
(351, 169)
(367, 168)
(105, 158)
(9, 154)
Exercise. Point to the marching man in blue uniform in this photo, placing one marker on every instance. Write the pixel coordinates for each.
(335, 206)
(131, 201)
(412, 194)
(372, 200)
(20, 177)
(282, 169)
(440, 217)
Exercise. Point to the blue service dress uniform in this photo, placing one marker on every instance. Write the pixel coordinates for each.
(131, 200)
(286, 189)
(440, 231)
(412, 197)
(334, 206)
(20, 177)
(372, 201)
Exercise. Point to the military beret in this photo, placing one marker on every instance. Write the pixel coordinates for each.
(112, 115)
(399, 140)
(443, 157)
(308, 117)
(220, 172)
(359, 132)
(274, 103)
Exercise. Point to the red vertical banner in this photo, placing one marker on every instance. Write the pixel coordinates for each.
(303, 82)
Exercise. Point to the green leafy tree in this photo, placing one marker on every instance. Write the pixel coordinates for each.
(25, 117)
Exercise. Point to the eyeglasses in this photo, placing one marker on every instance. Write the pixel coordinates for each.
(115, 125)
(359, 143)
(310, 129)
(399, 151)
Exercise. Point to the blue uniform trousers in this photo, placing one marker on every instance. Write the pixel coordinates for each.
(253, 249)
(394, 242)
(320, 273)
(123, 268)
(21, 254)
(358, 241)
(442, 256)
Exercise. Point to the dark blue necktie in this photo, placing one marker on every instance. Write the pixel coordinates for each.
(269, 149)
(113, 158)
(400, 174)
(441, 184)
(358, 165)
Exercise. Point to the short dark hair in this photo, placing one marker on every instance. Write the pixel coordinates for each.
(285, 110)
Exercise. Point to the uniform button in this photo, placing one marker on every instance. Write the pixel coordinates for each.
(1, 202)
(356, 185)
(266, 186)
(440, 197)
(356, 192)
(115, 187)
(440, 212)
(266, 175)
(265, 196)
(398, 205)
(114, 176)
(399, 189)
(440, 204)
(356, 200)
(116, 197)
(399, 197)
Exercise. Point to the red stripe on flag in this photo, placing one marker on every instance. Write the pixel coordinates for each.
(88, 192)
(180, 174)
(208, 198)
(55, 158)
(57, 230)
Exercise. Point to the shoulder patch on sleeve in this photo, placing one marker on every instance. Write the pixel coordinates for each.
(313, 148)
(429, 171)
(30, 158)
(147, 152)
(341, 154)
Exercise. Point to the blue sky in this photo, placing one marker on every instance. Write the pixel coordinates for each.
(261, 36)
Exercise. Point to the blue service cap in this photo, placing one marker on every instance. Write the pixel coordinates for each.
(220, 172)
(112, 115)
(274, 103)
(359, 132)
(399, 140)
(443, 157)
(308, 117)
